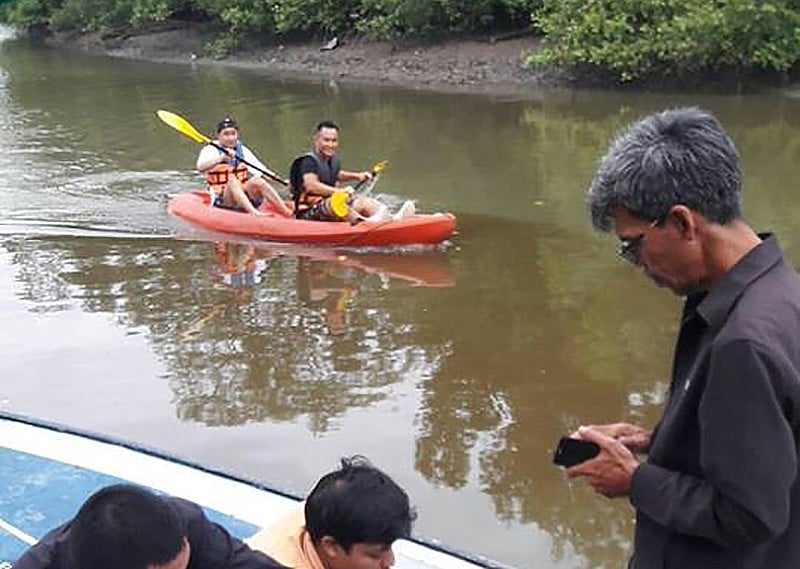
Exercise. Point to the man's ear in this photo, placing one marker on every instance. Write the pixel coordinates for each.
(330, 547)
(685, 222)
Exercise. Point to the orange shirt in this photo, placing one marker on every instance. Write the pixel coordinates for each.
(288, 541)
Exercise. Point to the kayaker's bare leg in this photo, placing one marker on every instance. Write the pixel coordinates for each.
(234, 196)
(260, 188)
(362, 208)
(366, 206)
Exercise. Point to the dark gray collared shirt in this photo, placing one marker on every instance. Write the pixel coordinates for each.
(719, 488)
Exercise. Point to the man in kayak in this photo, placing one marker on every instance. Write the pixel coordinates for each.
(349, 521)
(233, 184)
(128, 527)
(314, 177)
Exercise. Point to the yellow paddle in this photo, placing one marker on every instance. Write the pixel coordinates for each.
(184, 127)
(340, 199)
(339, 204)
(377, 168)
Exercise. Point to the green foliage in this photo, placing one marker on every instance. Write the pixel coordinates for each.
(393, 18)
(631, 38)
(148, 11)
(642, 38)
(240, 16)
(381, 19)
(327, 16)
(89, 15)
(86, 15)
(28, 14)
(466, 15)
(222, 46)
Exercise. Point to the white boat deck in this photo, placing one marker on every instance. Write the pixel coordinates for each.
(245, 501)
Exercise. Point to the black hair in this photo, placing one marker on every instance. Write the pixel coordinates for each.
(227, 122)
(125, 527)
(358, 504)
(326, 124)
(678, 156)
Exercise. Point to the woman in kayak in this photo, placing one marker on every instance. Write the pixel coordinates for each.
(233, 184)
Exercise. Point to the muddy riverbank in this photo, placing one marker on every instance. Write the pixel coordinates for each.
(488, 65)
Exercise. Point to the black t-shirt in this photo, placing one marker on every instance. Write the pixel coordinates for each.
(307, 165)
(212, 547)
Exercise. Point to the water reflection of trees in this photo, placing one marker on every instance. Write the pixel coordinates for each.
(566, 137)
(234, 359)
(572, 337)
(518, 353)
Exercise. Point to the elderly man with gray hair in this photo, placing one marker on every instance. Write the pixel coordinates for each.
(719, 486)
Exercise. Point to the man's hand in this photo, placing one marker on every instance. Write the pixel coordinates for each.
(636, 438)
(364, 176)
(611, 471)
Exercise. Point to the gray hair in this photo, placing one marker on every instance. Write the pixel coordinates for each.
(678, 156)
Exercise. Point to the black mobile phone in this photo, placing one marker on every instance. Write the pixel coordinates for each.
(570, 452)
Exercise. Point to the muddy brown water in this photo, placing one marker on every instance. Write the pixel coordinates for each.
(454, 369)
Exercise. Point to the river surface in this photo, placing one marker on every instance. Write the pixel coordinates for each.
(454, 369)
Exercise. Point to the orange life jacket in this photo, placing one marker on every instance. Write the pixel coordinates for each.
(218, 176)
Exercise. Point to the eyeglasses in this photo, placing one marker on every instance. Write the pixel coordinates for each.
(630, 250)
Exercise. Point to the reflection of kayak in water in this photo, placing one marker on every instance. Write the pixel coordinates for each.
(427, 268)
(50, 470)
(419, 269)
(416, 229)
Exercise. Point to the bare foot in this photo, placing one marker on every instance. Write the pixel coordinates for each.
(406, 210)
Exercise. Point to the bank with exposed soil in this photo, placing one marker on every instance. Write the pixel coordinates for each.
(480, 64)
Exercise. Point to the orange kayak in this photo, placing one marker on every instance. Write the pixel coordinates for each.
(416, 229)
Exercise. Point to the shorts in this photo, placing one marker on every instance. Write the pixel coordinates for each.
(320, 211)
(217, 202)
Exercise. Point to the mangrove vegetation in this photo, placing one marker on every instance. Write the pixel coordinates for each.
(624, 39)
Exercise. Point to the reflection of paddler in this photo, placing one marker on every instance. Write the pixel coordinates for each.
(238, 269)
(238, 264)
(336, 311)
(195, 327)
(318, 285)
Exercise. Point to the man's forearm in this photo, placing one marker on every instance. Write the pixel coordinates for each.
(317, 188)
(347, 176)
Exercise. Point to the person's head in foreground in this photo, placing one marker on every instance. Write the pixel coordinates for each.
(127, 527)
(670, 186)
(354, 514)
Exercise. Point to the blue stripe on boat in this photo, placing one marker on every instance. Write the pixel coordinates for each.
(40, 494)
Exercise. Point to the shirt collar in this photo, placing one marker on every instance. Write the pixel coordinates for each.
(715, 305)
(307, 550)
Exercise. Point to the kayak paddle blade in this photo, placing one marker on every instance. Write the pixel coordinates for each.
(339, 203)
(182, 125)
(377, 168)
(380, 167)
